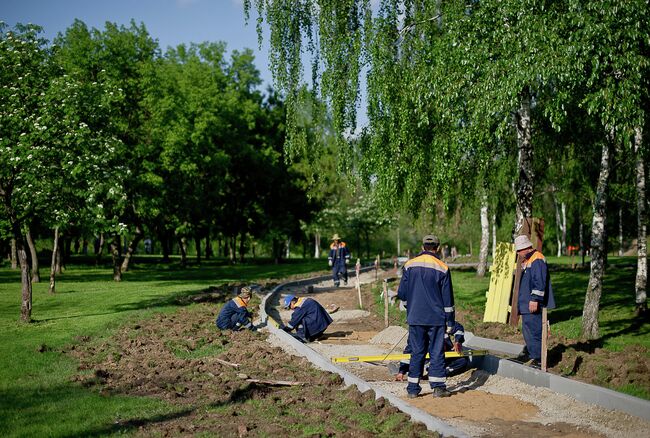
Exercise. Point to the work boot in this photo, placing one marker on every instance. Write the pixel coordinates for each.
(412, 395)
(533, 364)
(345, 282)
(440, 392)
(337, 284)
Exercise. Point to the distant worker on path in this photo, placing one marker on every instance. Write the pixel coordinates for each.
(535, 293)
(427, 289)
(309, 318)
(338, 259)
(234, 315)
(453, 365)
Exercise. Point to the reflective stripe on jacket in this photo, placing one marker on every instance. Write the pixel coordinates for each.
(535, 283)
(338, 253)
(232, 307)
(311, 315)
(426, 286)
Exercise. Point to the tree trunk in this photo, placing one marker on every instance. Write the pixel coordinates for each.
(182, 247)
(115, 255)
(642, 261)
(197, 243)
(14, 254)
(55, 251)
(399, 240)
(620, 230)
(590, 329)
(582, 243)
(25, 280)
(524, 163)
(563, 207)
(558, 221)
(100, 249)
(208, 246)
(316, 245)
(59, 257)
(166, 247)
(36, 275)
(130, 249)
(242, 246)
(288, 248)
(485, 237)
(494, 235)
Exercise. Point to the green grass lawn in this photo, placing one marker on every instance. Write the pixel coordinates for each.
(37, 396)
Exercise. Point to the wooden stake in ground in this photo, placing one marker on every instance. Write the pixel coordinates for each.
(385, 303)
(544, 336)
(358, 271)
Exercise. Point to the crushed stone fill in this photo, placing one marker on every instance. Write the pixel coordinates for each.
(393, 335)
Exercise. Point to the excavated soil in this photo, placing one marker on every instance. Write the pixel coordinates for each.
(225, 383)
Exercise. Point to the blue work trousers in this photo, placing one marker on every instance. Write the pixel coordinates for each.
(531, 327)
(423, 338)
(339, 270)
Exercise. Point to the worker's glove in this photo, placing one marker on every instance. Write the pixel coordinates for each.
(329, 263)
(347, 261)
(449, 329)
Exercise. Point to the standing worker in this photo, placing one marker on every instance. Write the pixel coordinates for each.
(426, 287)
(338, 258)
(535, 293)
(309, 318)
(234, 314)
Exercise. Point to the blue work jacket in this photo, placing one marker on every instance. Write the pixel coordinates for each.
(426, 287)
(535, 283)
(234, 315)
(338, 254)
(311, 315)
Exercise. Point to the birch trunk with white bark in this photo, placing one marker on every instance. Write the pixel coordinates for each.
(590, 328)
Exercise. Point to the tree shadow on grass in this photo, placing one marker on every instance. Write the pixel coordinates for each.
(175, 300)
(633, 326)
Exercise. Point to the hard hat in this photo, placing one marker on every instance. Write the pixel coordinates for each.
(245, 292)
(430, 239)
(336, 237)
(287, 301)
(522, 242)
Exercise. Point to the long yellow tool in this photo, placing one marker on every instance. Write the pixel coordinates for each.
(397, 356)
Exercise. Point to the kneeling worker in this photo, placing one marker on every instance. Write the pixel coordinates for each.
(453, 365)
(234, 314)
(309, 318)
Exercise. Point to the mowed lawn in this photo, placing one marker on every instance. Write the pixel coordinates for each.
(37, 395)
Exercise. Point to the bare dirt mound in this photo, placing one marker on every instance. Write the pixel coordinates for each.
(227, 384)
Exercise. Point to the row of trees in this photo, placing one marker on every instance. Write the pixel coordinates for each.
(101, 134)
(472, 102)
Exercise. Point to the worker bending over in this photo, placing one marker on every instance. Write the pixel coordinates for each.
(234, 315)
(453, 365)
(309, 318)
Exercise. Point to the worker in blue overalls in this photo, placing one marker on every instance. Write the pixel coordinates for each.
(535, 293)
(453, 365)
(234, 315)
(338, 259)
(309, 318)
(426, 287)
